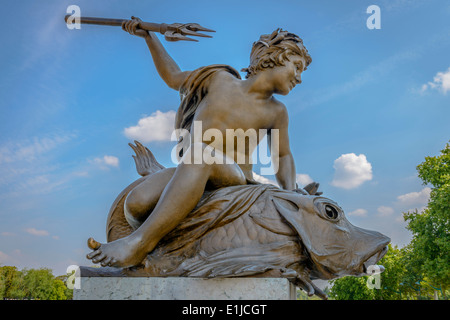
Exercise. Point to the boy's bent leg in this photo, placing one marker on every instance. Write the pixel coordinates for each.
(179, 197)
(144, 197)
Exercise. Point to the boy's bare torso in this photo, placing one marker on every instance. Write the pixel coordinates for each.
(228, 106)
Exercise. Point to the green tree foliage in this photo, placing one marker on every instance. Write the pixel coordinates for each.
(11, 283)
(430, 246)
(356, 288)
(350, 288)
(68, 293)
(392, 277)
(31, 284)
(40, 284)
(420, 270)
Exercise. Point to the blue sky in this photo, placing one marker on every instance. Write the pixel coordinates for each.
(373, 104)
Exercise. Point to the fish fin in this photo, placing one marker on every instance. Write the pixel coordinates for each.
(144, 159)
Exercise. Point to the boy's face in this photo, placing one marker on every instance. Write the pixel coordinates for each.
(286, 77)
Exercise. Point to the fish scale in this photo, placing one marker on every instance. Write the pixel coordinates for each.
(241, 232)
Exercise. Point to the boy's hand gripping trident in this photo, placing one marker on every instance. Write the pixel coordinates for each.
(171, 32)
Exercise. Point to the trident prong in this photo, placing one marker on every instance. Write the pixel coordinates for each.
(171, 32)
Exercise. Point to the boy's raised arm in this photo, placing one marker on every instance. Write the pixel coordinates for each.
(167, 68)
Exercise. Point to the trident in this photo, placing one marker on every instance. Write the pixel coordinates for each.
(171, 32)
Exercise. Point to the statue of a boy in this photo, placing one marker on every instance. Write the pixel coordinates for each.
(218, 97)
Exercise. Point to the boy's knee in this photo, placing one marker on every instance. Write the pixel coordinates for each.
(131, 212)
(129, 203)
(133, 204)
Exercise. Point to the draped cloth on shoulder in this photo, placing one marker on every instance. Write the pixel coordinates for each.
(194, 89)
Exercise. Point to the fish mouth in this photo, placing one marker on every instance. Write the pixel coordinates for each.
(369, 266)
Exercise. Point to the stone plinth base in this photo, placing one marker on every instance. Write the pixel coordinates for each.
(155, 288)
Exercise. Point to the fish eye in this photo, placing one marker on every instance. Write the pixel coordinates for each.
(328, 210)
(331, 212)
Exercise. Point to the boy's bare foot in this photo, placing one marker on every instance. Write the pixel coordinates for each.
(123, 253)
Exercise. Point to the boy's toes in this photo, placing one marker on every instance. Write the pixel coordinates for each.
(92, 244)
(99, 258)
(113, 263)
(93, 254)
(106, 262)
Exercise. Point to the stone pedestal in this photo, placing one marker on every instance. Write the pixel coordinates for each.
(156, 288)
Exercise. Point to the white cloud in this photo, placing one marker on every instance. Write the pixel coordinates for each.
(106, 162)
(358, 213)
(384, 211)
(29, 150)
(13, 258)
(419, 209)
(415, 198)
(303, 179)
(156, 127)
(37, 232)
(264, 180)
(441, 82)
(4, 258)
(351, 171)
(81, 173)
(30, 166)
(111, 161)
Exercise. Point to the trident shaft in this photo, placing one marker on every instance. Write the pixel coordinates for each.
(171, 32)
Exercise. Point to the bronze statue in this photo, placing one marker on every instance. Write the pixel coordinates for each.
(211, 219)
(253, 230)
(231, 103)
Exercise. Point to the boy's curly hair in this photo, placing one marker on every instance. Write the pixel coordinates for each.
(273, 49)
